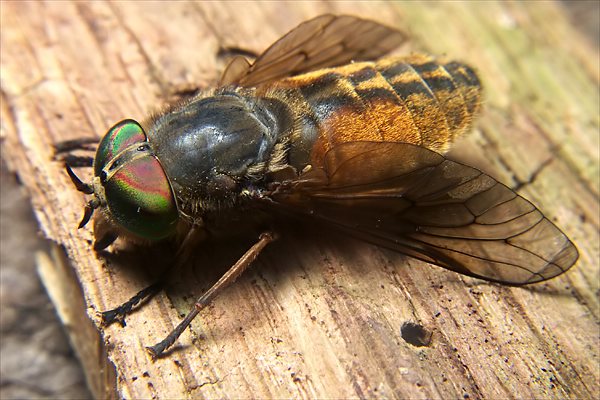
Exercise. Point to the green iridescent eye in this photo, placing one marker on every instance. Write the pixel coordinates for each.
(118, 138)
(139, 198)
(137, 191)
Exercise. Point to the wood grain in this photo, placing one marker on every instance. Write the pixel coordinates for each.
(320, 316)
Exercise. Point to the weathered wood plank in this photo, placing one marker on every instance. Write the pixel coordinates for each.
(321, 318)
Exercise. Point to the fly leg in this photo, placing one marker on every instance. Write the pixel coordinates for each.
(63, 151)
(229, 277)
(229, 52)
(194, 235)
(67, 146)
(119, 313)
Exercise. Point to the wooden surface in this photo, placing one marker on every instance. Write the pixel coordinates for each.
(317, 318)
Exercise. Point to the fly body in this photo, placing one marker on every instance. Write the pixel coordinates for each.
(218, 146)
(321, 127)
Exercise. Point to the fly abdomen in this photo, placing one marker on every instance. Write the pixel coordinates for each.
(415, 99)
(418, 99)
(425, 84)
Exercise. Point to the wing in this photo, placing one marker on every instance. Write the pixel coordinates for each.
(412, 200)
(324, 41)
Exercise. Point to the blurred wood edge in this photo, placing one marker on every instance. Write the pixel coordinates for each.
(64, 290)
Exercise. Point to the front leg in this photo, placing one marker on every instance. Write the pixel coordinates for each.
(63, 152)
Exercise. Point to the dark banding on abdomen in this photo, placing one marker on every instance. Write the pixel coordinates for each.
(415, 99)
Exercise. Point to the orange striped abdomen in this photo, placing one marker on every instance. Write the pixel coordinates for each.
(415, 99)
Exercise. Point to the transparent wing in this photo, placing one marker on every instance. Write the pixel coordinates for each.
(412, 200)
(324, 41)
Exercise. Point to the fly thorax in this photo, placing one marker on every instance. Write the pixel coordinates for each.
(213, 148)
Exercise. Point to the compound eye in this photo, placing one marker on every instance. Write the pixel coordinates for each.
(118, 138)
(140, 198)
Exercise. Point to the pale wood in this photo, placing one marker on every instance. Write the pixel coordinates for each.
(322, 318)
